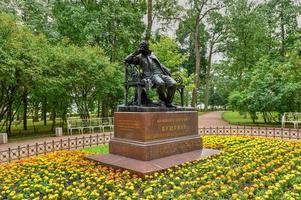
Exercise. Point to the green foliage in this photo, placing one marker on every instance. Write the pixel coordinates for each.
(58, 57)
(35, 72)
(245, 119)
(274, 87)
(98, 149)
(115, 26)
(168, 52)
(245, 42)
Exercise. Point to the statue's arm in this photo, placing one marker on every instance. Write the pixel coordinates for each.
(166, 70)
(133, 58)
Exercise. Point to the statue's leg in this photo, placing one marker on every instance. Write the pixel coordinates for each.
(160, 85)
(144, 99)
(171, 88)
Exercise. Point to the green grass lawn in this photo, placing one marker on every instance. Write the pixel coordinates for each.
(245, 120)
(98, 149)
(35, 130)
(201, 112)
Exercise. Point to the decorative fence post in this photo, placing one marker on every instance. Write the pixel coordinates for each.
(9, 156)
(61, 144)
(52, 145)
(68, 143)
(19, 154)
(90, 140)
(28, 152)
(84, 141)
(45, 147)
(266, 131)
(36, 149)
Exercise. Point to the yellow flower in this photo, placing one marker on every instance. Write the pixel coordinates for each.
(234, 196)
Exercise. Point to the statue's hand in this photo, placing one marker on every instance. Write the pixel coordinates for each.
(137, 52)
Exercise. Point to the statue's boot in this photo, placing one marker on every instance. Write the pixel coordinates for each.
(170, 95)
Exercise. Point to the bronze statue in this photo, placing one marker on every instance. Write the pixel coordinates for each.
(154, 73)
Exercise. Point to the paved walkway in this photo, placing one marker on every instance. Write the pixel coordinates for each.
(212, 119)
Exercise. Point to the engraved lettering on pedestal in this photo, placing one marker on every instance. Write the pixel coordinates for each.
(127, 125)
(177, 125)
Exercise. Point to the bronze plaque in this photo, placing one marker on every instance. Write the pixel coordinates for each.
(145, 126)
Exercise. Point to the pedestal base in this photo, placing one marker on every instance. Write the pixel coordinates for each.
(147, 167)
(152, 135)
(154, 149)
(146, 142)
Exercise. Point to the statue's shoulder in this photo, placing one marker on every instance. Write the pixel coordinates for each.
(153, 56)
(139, 55)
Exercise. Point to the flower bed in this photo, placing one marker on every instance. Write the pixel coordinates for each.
(246, 168)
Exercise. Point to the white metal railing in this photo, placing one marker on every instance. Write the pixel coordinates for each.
(90, 124)
(290, 117)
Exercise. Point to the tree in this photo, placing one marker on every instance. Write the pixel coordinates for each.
(215, 33)
(20, 66)
(194, 18)
(246, 42)
(114, 26)
(282, 22)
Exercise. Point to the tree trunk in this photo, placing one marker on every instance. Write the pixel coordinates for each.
(98, 107)
(113, 108)
(18, 116)
(282, 28)
(282, 40)
(149, 19)
(197, 64)
(25, 105)
(207, 78)
(9, 118)
(36, 113)
(53, 114)
(104, 109)
(44, 108)
(264, 117)
(253, 117)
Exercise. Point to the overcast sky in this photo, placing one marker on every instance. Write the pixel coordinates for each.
(171, 31)
(216, 57)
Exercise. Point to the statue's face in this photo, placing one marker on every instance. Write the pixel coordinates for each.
(144, 48)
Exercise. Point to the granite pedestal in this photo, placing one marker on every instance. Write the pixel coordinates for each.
(143, 140)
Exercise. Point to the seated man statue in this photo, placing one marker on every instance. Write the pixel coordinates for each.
(154, 73)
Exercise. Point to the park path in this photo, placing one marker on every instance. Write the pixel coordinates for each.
(212, 119)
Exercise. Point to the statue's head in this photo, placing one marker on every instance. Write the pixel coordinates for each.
(144, 47)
